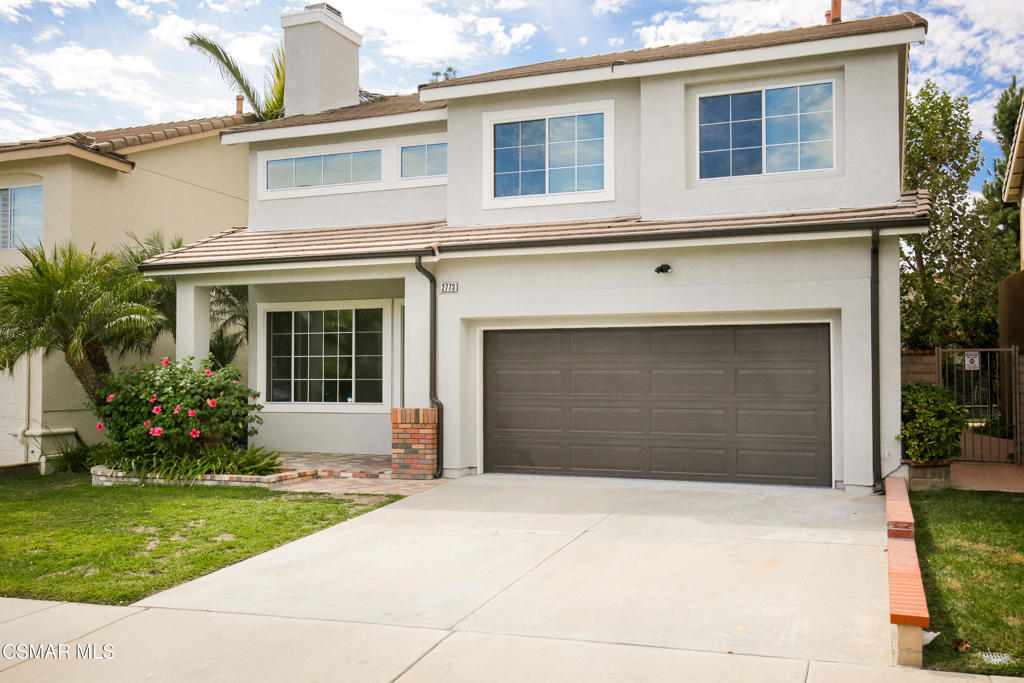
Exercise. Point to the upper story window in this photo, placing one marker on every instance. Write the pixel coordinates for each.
(775, 130)
(420, 161)
(21, 216)
(325, 169)
(550, 155)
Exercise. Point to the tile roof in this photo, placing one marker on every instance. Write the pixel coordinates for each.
(244, 246)
(393, 104)
(857, 27)
(1013, 177)
(111, 142)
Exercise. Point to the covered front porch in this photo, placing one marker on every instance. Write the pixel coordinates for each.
(340, 357)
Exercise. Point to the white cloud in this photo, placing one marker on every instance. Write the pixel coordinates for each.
(508, 5)
(503, 41)
(47, 33)
(672, 27)
(583, 41)
(11, 10)
(603, 7)
(172, 29)
(615, 42)
(252, 49)
(228, 5)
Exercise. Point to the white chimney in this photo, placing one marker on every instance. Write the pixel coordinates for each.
(321, 68)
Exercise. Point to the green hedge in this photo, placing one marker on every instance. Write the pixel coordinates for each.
(932, 423)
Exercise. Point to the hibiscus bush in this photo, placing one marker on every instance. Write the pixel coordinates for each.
(171, 410)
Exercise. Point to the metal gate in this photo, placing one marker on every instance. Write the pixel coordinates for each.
(987, 383)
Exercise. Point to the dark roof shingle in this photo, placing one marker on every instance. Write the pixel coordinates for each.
(244, 246)
(896, 22)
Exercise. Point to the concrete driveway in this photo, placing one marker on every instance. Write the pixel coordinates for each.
(502, 577)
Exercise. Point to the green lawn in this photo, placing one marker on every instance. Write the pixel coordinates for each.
(971, 548)
(63, 539)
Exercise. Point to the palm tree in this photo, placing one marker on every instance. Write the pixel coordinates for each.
(266, 105)
(79, 304)
(137, 250)
(229, 310)
(270, 103)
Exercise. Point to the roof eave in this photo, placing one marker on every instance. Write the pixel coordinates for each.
(229, 137)
(1013, 179)
(824, 46)
(68, 149)
(897, 225)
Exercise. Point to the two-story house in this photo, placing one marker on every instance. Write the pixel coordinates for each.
(92, 189)
(679, 262)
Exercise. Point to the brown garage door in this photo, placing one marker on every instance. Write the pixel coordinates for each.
(727, 403)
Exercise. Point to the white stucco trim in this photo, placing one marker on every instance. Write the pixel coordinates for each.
(490, 118)
(334, 127)
(387, 305)
(666, 66)
(321, 16)
(830, 318)
(390, 167)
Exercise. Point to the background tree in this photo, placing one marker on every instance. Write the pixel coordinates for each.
(447, 75)
(138, 249)
(268, 104)
(951, 274)
(229, 312)
(79, 304)
(1004, 124)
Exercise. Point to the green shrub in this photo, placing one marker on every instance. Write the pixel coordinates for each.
(172, 411)
(74, 458)
(215, 459)
(932, 423)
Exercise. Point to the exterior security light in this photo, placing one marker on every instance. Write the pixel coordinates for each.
(663, 269)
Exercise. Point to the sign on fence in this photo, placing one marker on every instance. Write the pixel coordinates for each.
(972, 360)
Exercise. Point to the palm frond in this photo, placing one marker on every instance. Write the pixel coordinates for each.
(229, 70)
(273, 102)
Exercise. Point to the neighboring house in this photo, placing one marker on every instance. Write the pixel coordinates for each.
(93, 188)
(1011, 289)
(679, 262)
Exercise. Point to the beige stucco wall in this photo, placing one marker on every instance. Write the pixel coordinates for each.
(192, 189)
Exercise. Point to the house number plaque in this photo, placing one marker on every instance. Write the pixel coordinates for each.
(449, 287)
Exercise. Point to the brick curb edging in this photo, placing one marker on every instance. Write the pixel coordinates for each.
(908, 608)
(104, 476)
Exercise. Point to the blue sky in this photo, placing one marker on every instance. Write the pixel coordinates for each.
(75, 65)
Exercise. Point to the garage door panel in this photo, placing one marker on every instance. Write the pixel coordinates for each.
(691, 461)
(777, 422)
(609, 343)
(690, 343)
(528, 382)
(528, 418)
(691, 421)
(726, 403)
(609, 419)
(609, 383)
(516, 454)
(527, 344)
(807, 342)
(775, 463)
(604, 457)
(691, 382)
(799, 383)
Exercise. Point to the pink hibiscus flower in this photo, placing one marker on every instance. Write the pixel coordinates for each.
(110, 398)
(165, 362)
(194, 433)
(99, 426)
(152, 399)
(191, 413)
(156, 431)
(177, 409)
(157, 410)
(211, 402)
(209, 372)
(146, 423)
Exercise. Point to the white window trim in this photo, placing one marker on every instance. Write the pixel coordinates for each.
(409, 179)
(764, 141)
(390, 167)
(10, 200)
(387, 363)
(490, 118)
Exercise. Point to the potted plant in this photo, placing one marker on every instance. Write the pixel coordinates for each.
(932, 425)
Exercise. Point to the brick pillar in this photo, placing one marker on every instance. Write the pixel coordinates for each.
(919, 366)
(413, 443)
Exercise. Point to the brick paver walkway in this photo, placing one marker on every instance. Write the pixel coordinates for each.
(381, 487)
(982, 476)
(336, 462)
